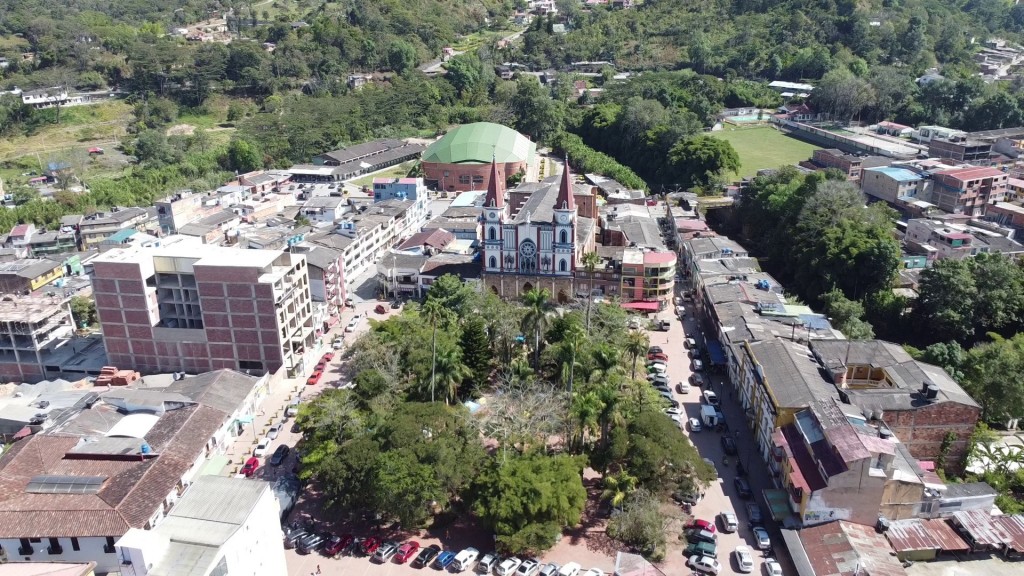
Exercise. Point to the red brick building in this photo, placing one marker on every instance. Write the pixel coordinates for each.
(968, 190)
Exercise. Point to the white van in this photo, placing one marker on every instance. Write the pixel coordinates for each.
(464, 560)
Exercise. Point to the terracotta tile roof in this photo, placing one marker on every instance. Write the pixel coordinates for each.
(132, 493)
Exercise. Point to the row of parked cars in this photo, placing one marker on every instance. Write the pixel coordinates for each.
(307, 540)
(702, 551)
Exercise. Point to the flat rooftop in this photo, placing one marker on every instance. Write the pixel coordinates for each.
(31, 308)
(191, 248)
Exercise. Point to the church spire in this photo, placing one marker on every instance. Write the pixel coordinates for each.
(495, 188)
(565, 199)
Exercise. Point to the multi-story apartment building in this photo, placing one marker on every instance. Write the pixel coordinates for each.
(961, 149)
(890, 183)
(99, 226)
(968, 190)
(940, 241)
(849, 164)
(190, 307)
(31, 326)
(247, 538)
(28, 274)
(326, 278)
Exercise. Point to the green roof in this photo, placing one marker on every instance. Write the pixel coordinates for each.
(478, 143)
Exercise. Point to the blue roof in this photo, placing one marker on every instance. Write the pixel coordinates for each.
(897, 174)
(121, 235)
(716, 352)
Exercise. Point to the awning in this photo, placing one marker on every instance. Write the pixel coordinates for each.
(716, 352)
(797, 552)
(646, 306)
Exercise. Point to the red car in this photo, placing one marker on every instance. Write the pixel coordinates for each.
(658, 356)
(251, 465)
(327, 358)
(336, 544)
(380, 309)
(406, 551)
(699, 524)
(314, 378)
(370, 545)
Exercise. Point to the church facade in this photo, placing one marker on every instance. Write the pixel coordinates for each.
(535, 238)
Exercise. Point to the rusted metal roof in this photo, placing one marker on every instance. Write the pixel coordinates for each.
(920, 534)
(842, 548)
(977, 525)
(1012, 528)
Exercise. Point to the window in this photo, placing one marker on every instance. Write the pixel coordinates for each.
(563, 266)
(492, 234)
(464, 179)
(74, 544)
(478, 179)
(563, 237)
(492, 263)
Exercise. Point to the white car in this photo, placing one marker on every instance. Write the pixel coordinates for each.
(487, 563)
(338, 344)
(705, 564)
(594, 572)
(274, 431)
(352, 324)
(695, 425)
(261, 448)
(570, 569)
(657, 368)
(744, 559)
(763, 541)
(465, 559)
(529, 567)
(729, 521)
(683, 388)
(772, 568)
(698, 365)
(690, 343)
(508, 566)
(673, 411)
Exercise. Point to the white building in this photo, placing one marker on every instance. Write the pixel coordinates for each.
(220, 526)
(324, 208)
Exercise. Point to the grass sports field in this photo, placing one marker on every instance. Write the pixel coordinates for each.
(764, 147)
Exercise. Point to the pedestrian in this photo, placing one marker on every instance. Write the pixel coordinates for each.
(317, 568)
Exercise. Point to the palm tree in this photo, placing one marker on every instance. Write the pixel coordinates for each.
(450, 373)
(590, 262)
(605, 363)
(637, 343)
(585, 408)
(538, 316)
(434, 312)
(573, 340)
(617, 487)
(609, 414)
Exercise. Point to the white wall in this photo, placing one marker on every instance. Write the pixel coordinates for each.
(257, 548)
(90, 550)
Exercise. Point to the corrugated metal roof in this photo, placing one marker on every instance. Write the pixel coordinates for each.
(1013, 531)
(978, 525)
(920, 534)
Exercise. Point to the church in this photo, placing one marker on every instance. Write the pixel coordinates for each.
(536, 237)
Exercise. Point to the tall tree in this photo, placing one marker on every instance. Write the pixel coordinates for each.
(537, 318)
(476, 350)
(701, 161)
(590, 262)
(435, 313)
(637, 343)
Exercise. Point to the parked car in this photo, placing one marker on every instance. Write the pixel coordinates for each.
(705, 564)
(280, 455)
(251, 465)
(761, 536)
(669, 398)
(293, 533)
(352, 324)
(406, 551)
(528, 567)
(293, 408)
(594, 572)
(386, 551)
(314, 377)
(466, 559)
(697, 365)
(682, 387)
(655, 350)
(396, 304)
(261, 447)
(710, 398)
(311, 543)
(729, 522)
(570, 569)
(772, 567)
(444, 559)
(355, 547)
(487, 563)
(337, 544)
(742, 488)
(657, 357)
(370, 545)
(338, 344)
(744, 559)
(674, 411)
(690, 343)
(426, 556)
(701, 549)
(695, 425)
(549, 569)
(698, 535)
(380, 309)
(327, 357)
(754, 514)
(698, 524)
(274, 431)
(729, 445)
(658, 379)
(508, 566)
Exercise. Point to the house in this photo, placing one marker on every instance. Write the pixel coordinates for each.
(398, 273)
(800, 113)
(428, 241)
(20, 236)
(922, 539)
(326, 278)
(890, 183)
(213, 229)
(925, 134)
(919, 403)
(984, 532)
(939, 240)
(28, 275)
(220, 525)
(960, 149)
(101, 225)
(849, 164)
(842, 548)
(894, 129)
(324, 208)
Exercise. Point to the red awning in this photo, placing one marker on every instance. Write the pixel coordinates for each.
(647, 306)
(26, 431)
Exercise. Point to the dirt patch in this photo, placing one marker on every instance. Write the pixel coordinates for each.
(181, 130)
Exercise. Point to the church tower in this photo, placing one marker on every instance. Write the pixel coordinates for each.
(565, 225)
(495, 214)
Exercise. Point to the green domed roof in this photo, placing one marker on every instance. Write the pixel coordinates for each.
(479, 142)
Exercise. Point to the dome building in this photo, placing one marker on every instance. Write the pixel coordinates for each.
(461, 159)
